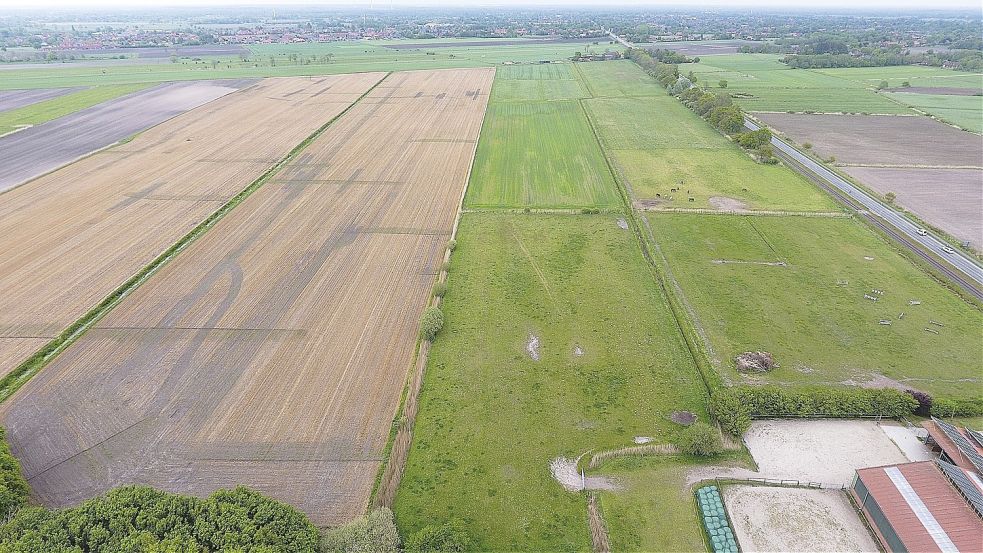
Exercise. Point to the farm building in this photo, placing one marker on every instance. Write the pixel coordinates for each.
(924, 506)
(961, 447)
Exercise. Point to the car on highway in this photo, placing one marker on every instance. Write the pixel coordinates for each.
(947, 249)
(921, 232)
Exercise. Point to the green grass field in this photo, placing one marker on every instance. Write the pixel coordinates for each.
(963, 111)
(539, 154)
(491, 418)
(760, 82)
(658, 144)
(38, 113)
(273, 60)
(916, 75)
(812, 314)
(536, 83)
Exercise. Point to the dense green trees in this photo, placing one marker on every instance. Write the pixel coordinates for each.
(13, 487)
(142, 519)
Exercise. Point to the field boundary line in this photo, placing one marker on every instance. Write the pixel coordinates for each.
(397, 449)
(23, 372)
(749, 213)
(691, 336)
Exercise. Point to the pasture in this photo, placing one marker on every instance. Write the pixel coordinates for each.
(965, 112)
(557, 339)
(71, 237)
(657, 145)
(540, 155)
(801, 288)
(536, 83)
(280, 338)
(760, 82)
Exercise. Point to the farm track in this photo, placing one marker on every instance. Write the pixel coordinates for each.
(272, 352)
(70, 238)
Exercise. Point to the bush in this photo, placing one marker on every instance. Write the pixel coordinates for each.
(924, 400)
(774, 401)
(439, 289)
(728, 410)
(452, 244)
(373, 533)
(140, 518)
(807, 145)
(431, 323)
(944, 407)
(700, 439)
(753, 140)
(450, 537)
(13, 488)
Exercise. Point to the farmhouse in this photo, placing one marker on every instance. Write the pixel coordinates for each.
(924, 506)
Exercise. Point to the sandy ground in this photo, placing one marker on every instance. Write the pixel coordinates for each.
(793, 519)
(881, 139)
(823, 451)
(907, 440)
(42, 148)
(950, 199)
(13, 99)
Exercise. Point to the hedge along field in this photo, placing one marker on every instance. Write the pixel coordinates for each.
(657, 143)
(491, 417)
(541, 155)
(760, 82)
(812, 314)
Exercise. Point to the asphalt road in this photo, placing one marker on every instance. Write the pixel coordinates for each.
(32, 152)
(901, 226)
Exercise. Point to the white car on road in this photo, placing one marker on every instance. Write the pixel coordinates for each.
(921, 232)
(947, 249)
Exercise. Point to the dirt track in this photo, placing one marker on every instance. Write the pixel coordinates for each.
(34, 151)
(273, 351)
(70, 238)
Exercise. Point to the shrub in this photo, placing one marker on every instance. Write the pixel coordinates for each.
(754, 139)
(807, 145)
(439, 289)
(700, 439)
(445, 266)
(946, 407)
(13, 486)
(431, 323)
(449, 537)
(373, 533)
(452, 244)
(890, 197)
(774, 401)
(924, 400)
(728, 410)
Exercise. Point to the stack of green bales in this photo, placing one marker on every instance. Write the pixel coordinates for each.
(715, 520)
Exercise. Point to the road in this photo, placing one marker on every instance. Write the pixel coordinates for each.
(901, 227)
(622, 41)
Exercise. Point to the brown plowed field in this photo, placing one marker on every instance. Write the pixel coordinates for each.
(273, 351)
(69, 238)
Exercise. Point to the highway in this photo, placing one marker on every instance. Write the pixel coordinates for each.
(901, 228)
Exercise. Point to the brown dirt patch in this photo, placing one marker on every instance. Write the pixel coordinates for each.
(723, 203)
(950, 199)
(881, 139)
(684, 418)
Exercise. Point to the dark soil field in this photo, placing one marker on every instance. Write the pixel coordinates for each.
(881, 139)
(42, 148)
(13, 99)
(273, 351)
(950, 199)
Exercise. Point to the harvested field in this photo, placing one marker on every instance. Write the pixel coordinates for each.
(71, 237)
(880, 140)
(950, 199)
(42, 148)
(273, 351)
(13, 99)
(794, 519)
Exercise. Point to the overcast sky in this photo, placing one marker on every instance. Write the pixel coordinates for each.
(775, 4)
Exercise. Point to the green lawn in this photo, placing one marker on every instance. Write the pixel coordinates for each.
(963, 111)
(346, 57)
(539, 154)
(760, 82)
(658, 144)
(812, 314)
(536, 82)
(491, 418)
(617, 79)
(46, 110)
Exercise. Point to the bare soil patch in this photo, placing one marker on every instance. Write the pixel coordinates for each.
(684, 418)
(950, 199)
(724, 203)
(532, 347)
(793, 519)
(273, 351)
(881, 139)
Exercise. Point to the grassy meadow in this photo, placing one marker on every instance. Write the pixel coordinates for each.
(811, 314)
(491, 417)
(963, 111)
(46, 110)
